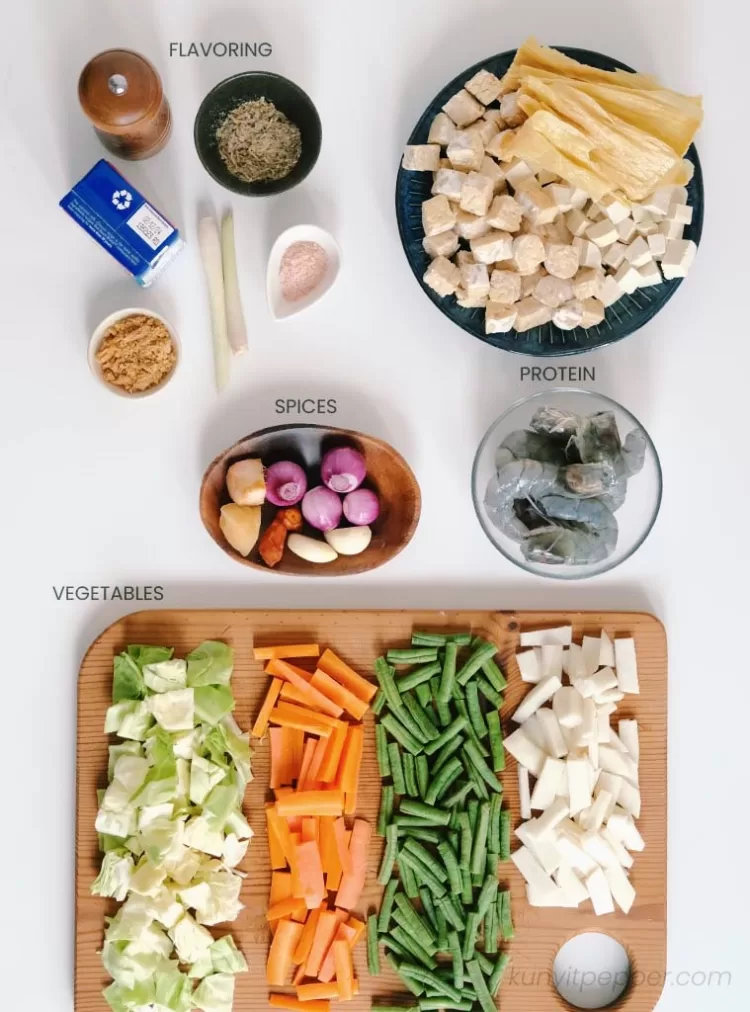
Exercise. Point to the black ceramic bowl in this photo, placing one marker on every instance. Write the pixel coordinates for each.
(287, 97)
(626, 316)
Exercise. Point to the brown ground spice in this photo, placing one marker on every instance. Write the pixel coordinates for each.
(136, 353)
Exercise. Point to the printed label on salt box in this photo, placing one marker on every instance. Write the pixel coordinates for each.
(123, 222)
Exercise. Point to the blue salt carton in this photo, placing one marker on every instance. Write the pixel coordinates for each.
(123, 222)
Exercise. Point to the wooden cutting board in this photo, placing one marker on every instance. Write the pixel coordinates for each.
(359, 637)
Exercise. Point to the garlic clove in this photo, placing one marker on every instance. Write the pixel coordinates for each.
(311, 549)
(349, 540)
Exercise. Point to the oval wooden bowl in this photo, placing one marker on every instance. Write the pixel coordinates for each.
(388, 475)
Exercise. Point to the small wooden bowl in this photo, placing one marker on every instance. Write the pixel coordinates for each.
(388, 475)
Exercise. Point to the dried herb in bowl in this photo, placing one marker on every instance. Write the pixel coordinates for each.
(258, 143)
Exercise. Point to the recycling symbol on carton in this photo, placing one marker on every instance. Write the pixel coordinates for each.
(122, 199)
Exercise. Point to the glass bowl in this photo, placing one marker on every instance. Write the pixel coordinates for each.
(585, 534)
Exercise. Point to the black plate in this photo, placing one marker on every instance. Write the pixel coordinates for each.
(626, 316)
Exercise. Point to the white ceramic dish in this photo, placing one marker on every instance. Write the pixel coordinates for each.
(102, 329)
(280, 307)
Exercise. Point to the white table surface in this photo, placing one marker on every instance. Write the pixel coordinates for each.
(97, 490)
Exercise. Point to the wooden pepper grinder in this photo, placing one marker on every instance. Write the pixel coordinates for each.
(122, 95)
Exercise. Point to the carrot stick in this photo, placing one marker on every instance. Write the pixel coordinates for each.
(281, 887)
(324, 933)
(276, 848)
(280, 954)
(297, 739)
(261, 722)
(353, 882)
(342, 846)
(308, 933)
(313, 992)
(307, 756)
(291, 694)
(339, 694)
(278, 828)
(276, 734)
(299, 975)
(359, 929)
(301, 681)
(346, 676)
(310, 873)
(288, 1001)
(285, 908)
(293, 650)
(288, 715)
(332, 758)
(319, 755)
(328, 967)
(351, 760)
(342, 955)
(311, 803)
(310, 829)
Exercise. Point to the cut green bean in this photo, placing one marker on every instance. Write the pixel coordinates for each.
(482, 768)
(415, 822)
(475, 661)
(442, 929)
(427, 812)
(415, 986)
(378, 702)
(422, 854)
(409, 879)
(423, 693)
(428, 877)
(464, 851)
(480, 788)
(389, 854)
(451, 866)
(463, 709)
(493, 858)
(411, 725)
(467, 892)
(475, 711)
(387, 905)
(412, 655)
(412, 946)
(493, 984)
(373, 948)
(505, 834)
(470, 934)
(386, 809)
(496, 741)
(402, 922)
(490, 694)
(506, 920)
(396, 947)
(494, 674)
(443, 780)
(418, 676)
(459, 724)
(425, 835)
(430, 979)
(490, 930)
(423, 776)
(479, 843)
(493, 834)
(381, 751)
(397, 730)
(450, 913)
(428, 1004)
(476, 976)
(488, 895)
(410, 775)
(449, 749)
(458, 796)
(448, 676)
(415, 922)
(420, 717)
(428, 906)
(485, 965)
(473, 812)
(454, 947)
(385, 675)
(397, 768)
(437, 639)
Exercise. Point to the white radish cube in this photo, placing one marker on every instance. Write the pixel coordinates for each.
(591, 648)
(612, 785)
(621, 888)
(606, 651)
(544, 789)
(552, 657)
(566, 652)
(593, 817)
(609, 696)
(615, 742)
(544, 849)
(624, 859)
(547, 823)
(629, 737)
(613, 761)
(598, 849)
(570, 884)
(599, 892)
(576, 665)
(562, 788)
(622, 827)
(532, 871)
(537, 697)
(588, 728)
(525, 752)
(593, 750)
(603, 680)
(574, 855)
(567, 704)
(579, 785)
(533, 729)
(561, 635)
(555, 744)
(626, 665)
(554, 897)
(524, 792)
(603, 730)
(629, 798)
(529, 665)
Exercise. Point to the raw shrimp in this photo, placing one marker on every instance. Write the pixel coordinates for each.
(526, 445)
(588, 480)
(598, 439)
(592, 523)
(519, 480)
(554, 422)
(558, 546)
(634, 452)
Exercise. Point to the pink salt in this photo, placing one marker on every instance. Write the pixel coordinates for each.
(303, 267)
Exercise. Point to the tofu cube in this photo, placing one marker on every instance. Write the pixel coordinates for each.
(610, 291)
(466, 150)
(530, 281)
(657, 243)
(498, 144)
(470, 301)
(463, 108)
(486, 129)
(464, 256)
(680, 213)
(484, 86)
(638, 253)
(531, 313)
(442, 130)
(616, 210)
(557, 231)
(562, 196)
(579, 198)
(442, 276)
(505, 287)
(528, 253)
(421, 157)
(444, 244)
(511, 110)
(569, 315)
(595, 212)
(649, 226)
(492, 170)
(593, 313)
(589, 254)
(499, 319)
(475, 280)
(537, 204)
(470, 226)
(614, 255)
(626, 230)
(495, 117)
(553, 292)
(671, 229)
(476, 193)
(437, 215)
(627, 277)
(449, 182)
(587, 283)
(518, 173)
(650, 275)
(544, 177)
(493, 247)
(577, 222)
(678, 258)
(505, 213)
(660, 201)
(562, 261)
(602, 233)
(639, 212)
